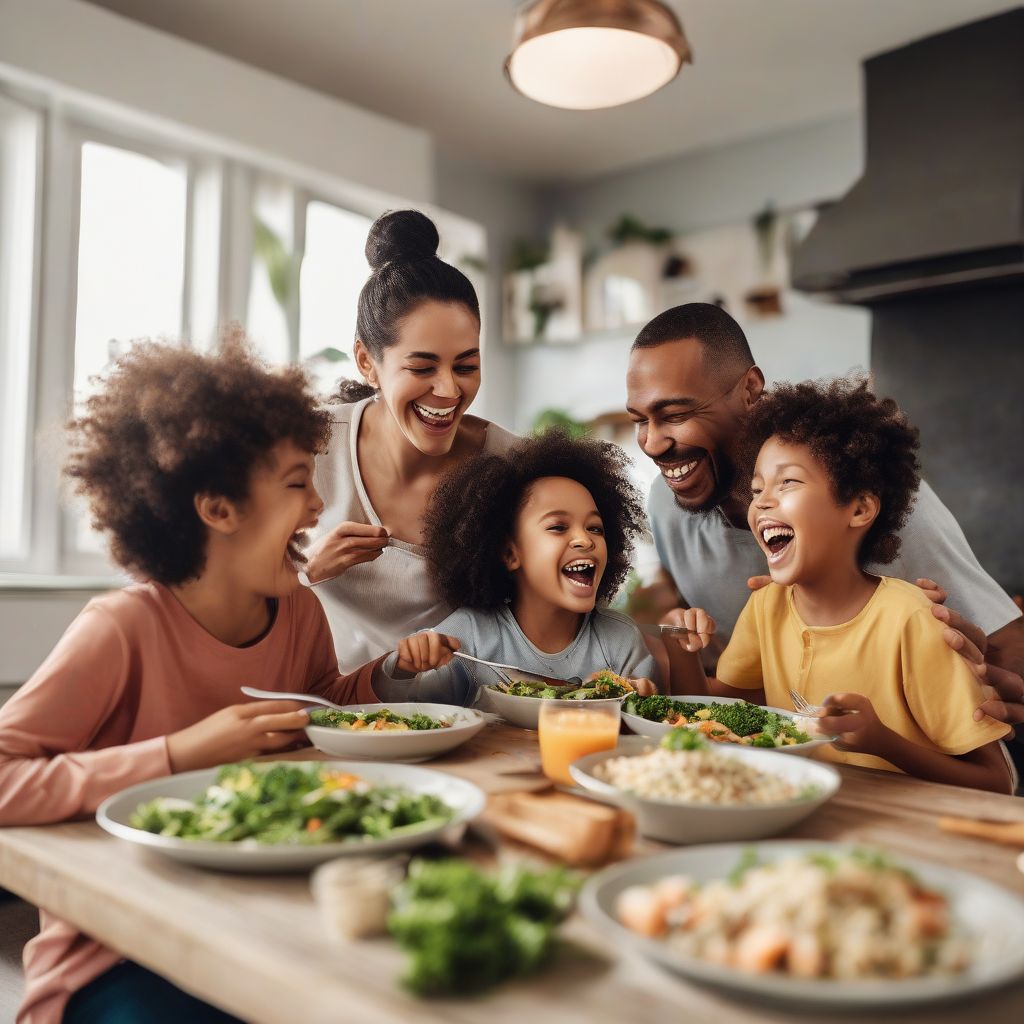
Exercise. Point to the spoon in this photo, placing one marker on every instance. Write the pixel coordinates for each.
(311, 698)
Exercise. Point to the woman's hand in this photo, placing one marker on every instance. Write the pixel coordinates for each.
(348, 544)
(424, 651)
(700, 624)
(237, 732)
(852, 719)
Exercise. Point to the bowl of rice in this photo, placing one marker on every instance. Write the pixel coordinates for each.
(706, 793)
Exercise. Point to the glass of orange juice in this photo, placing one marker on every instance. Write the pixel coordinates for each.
(569, 733)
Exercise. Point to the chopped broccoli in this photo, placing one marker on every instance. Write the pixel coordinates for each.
(466, 931)
(682, 738)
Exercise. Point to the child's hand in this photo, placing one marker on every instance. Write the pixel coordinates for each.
(695, 619)
(423, 651)
(852, 719)
(643, 686)
(236, 733)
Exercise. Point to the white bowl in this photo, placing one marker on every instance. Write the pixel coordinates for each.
(644, 727)
(399, 746)
(115, 813)
(673, 821)
(525, 711)
(992, 917)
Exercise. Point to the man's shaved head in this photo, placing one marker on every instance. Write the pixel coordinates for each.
(726, 353)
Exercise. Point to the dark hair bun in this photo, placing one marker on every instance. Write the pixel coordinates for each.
(401, 235)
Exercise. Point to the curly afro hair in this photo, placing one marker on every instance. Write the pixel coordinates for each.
(472, 514)
(170, 423)
(865, 443)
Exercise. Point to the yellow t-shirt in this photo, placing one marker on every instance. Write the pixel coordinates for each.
(892, 652)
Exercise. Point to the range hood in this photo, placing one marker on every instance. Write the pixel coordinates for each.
(941, 202)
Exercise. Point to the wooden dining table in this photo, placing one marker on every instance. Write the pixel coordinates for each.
(256, 945)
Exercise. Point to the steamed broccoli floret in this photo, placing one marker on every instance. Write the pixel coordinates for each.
(682, 738)
(655, 708)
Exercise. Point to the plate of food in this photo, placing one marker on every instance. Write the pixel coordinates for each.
(728, 720)
(288, 815)
(813, 923)
(519, 702)
(686, 789)
(406, 732)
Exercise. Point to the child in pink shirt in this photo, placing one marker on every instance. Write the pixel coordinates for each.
(199, 469)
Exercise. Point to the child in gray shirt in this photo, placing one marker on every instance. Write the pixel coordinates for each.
(525, 545)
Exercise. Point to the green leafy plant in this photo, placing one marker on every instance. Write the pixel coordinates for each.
(281, 265)
(630, 229)
(560, 420)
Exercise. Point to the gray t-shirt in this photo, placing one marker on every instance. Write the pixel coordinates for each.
(605, 640)
(710, 560)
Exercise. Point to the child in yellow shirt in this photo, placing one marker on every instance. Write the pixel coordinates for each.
(834, 479)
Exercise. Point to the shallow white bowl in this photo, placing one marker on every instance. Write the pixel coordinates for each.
(991, 916)
(524, 711)
(643, 727)
(675, 822)
(114, 815)
(407, 747)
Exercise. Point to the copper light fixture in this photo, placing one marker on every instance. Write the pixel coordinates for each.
(586, 54)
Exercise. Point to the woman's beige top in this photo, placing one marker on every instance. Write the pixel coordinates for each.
(372, 606)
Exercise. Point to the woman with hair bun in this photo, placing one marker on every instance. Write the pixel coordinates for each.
(395, 435)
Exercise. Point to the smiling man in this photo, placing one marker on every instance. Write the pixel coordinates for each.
(690, 385)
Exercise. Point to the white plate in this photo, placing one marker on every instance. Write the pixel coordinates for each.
(642, 727)
(673, 821)
(991, 916)
(414, 745)
(524, 711)
(115, 813)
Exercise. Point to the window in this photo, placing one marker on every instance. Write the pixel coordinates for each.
(132, 232)
(334, 270)
(20, 147)
(131, 254)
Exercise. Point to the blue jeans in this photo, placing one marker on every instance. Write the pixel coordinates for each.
(129, 994)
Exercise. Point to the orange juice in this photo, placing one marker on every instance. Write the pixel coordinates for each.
(567, 734)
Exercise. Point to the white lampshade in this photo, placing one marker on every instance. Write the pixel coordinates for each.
(586, 54)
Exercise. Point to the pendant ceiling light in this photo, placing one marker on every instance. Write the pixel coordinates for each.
(586, 54)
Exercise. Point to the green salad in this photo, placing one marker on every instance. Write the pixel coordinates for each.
(287, 803)
(744, 723)
(604, 686)
(466, 930)
(384, 720)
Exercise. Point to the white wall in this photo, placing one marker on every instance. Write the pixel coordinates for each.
(507, 209)
(130, 67)
(723, 185)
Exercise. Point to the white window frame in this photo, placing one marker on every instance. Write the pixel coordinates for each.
(218, 174)
(23, 561)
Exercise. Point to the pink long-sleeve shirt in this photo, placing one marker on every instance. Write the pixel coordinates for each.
(132, 668)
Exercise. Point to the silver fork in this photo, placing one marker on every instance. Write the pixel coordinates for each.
(521, 673)
(804, 706)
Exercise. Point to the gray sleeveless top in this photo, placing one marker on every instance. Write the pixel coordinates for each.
(372, 606)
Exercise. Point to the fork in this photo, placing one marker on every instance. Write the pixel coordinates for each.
(521, 673)
(804, 706)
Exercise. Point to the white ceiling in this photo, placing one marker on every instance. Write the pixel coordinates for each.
(761, 65)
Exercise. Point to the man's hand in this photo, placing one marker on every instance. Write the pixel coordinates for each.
(700, 624)
(757, 582)
(1003, 688)
(424, 651)
(851, 718)
(643, 686)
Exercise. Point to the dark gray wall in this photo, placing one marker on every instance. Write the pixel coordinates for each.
(955, 363)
